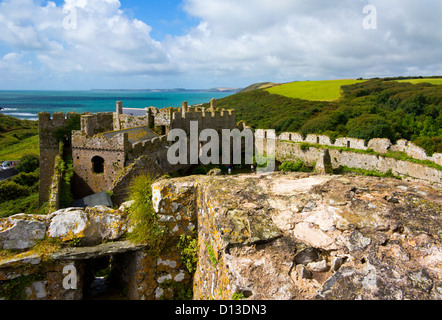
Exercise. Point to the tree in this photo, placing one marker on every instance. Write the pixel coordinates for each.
(369, 126)
(10, 190)
(28, 163)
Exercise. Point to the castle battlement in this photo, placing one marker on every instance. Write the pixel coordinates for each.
(117, 143)
(380, 145)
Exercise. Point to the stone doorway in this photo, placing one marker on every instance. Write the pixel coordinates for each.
(103, 279)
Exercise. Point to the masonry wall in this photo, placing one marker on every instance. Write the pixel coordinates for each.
(92, 124)
(288, 148)
(218, 120)
(49, 148)
(378, 145)
(84, 149)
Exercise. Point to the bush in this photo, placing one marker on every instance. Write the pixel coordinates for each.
(189, 250)
(297, 166)
(26, 179)
(147, 229)
(199, 170)
(305, 146)
(28, 163)
(369, 126)
(10, 190)
(430, 145)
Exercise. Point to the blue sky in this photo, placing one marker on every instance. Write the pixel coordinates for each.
(134, 44)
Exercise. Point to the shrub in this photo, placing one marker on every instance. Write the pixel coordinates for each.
(189, 250)
(199, 170)
(10, 190)
(369, 126)
(430, 145)
(147, 228)
(64, 134)
(305, 146)
(28, 163)
(297, 166)
(26, 179)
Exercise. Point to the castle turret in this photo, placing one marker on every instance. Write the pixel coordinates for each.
(184, 109)
(119, 107)
(88, 124)
(119, 111)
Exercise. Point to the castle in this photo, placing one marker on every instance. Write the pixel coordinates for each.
(110, 142)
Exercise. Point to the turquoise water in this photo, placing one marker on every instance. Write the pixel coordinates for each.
(27, 104)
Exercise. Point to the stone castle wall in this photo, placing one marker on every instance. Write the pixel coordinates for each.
(49, 148)
(84, 149)
(288, 148)
(92, 124)
(207, 119)
(378, 145)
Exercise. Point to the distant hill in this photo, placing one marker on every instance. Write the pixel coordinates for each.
(375, 108)
(259, 85)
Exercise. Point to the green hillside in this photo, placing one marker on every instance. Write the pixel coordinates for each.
(436, 81)
(326, 90)
(259, 85)
(376, 108)
(17, 137)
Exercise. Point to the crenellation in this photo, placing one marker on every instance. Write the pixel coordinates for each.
(352, 143)
(286, 150)
(380, 145)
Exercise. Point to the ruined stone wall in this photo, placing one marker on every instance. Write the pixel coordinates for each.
(92, 124)
(84, 149)
(153, 148)
(142, 165)
(163, 117)
(128, 121)
(218, 120)
(54, 198)
(49, 148)
(378, 145)
(289, 151)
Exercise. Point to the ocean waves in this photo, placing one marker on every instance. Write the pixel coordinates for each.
(27, 104)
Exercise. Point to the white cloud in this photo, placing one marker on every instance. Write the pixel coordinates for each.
(104, 40)
(287, 40)
(236, 42)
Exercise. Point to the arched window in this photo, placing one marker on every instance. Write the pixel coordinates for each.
(98, 164)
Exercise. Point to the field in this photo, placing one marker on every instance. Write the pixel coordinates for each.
(17, 150)
(17, 138)
(325, 90)
(437, 81)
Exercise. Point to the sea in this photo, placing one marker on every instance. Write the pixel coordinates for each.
(27, 104)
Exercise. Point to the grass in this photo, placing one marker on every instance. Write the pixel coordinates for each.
(436, 81)
(17, 137)
(17, 150)
(326, 90)
(27, 205)
(147, 229)
(369, 173)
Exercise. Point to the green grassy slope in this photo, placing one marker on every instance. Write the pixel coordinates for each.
(436, 81)
(259, 85)
(17, 137)
(326, 90)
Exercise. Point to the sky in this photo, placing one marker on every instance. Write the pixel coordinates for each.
(197, 44)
